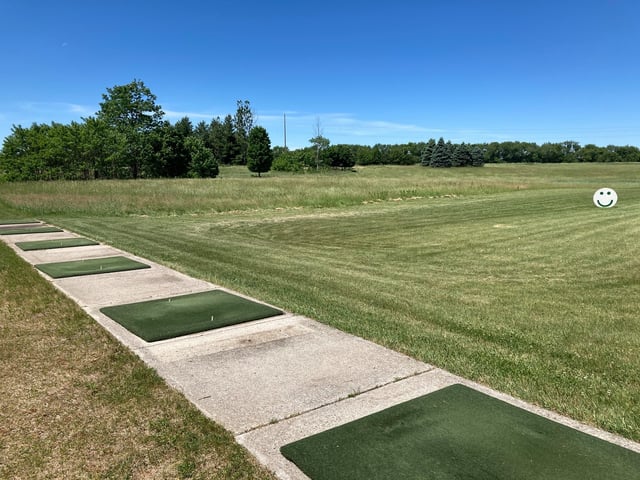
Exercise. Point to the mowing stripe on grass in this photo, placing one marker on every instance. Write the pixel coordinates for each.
(176, 316)
(454, 433)
(90, 267)
(25, 230)
(60, 243)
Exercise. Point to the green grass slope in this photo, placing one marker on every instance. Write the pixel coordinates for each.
(507, 275)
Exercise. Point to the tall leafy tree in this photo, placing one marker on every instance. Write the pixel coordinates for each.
(340, 156)
(319, 142)
(259, 156)
(243, 123)
(202, 162)
(131, 105)
(132, 111)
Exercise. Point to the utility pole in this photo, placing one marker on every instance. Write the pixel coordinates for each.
(285, 131)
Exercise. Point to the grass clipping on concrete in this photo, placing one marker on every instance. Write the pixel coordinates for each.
(91, 266)
(74, 403)
(456, 433)
(197, 312)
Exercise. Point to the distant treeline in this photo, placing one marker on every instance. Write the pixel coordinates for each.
(446, 154)
(128, 138)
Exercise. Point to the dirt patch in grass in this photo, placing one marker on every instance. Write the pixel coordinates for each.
(74, 403)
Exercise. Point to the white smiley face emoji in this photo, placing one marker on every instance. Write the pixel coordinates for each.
(605, 198)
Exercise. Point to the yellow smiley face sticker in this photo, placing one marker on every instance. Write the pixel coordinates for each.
(605, 198)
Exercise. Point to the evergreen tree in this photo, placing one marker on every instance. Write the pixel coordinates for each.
(259, 156)
(461, 155)
(425, 157)
(441, 156)
(477, 157)
(223, 141)
(178, 155)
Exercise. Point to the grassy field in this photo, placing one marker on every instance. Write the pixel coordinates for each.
(507, 274)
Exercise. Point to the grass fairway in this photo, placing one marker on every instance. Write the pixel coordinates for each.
(74, 403)
(507, 274)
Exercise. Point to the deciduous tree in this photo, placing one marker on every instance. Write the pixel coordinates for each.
(132, 111)
(243, 123)
(202, 162)
(340, 156)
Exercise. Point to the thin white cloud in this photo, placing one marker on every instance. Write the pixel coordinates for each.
(173, 114)
(357, 127)
(57, 107)
(348, 124)
(80, 109)
(341, 127)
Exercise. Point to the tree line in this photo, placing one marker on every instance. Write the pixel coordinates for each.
(129, 138)
(447, 154)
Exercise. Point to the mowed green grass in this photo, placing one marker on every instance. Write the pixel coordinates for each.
(507, 275)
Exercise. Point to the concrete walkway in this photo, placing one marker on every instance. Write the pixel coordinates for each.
(270, 381)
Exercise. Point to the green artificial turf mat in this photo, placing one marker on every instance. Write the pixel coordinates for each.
(459, 433)
(197, 312)
(18, 221)
(90, 267)
(24, 230)
(60, 243)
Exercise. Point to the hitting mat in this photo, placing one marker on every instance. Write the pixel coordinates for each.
(459, 433)
(90, 267)
(18, 221)
(60, 243)
(24, 230)
(198, 312)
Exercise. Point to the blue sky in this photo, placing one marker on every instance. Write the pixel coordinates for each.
(369, 72)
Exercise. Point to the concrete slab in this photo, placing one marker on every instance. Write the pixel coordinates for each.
(265, 442)
(229, 338)
(128, 287)
(266, 381)
(32, 237)
(69, 254)
(35, 223)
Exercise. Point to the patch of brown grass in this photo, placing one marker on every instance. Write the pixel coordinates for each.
(74, 403)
